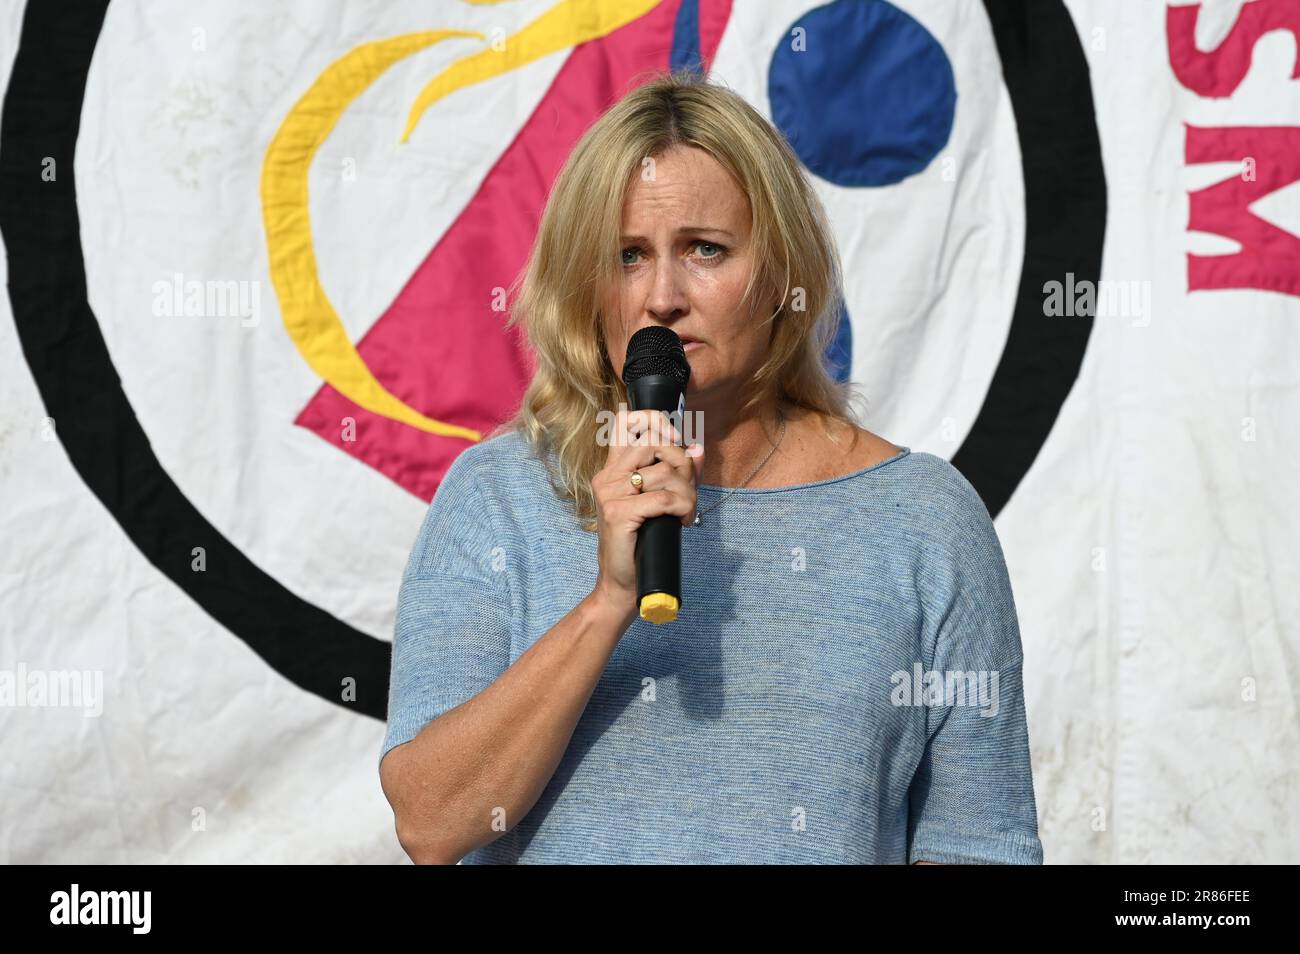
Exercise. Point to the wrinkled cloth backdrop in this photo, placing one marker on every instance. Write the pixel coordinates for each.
(256, 256)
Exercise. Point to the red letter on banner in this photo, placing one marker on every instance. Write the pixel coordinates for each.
(1217, 73)
(1270, 257)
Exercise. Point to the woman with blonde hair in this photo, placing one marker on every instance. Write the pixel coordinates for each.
(828, 573)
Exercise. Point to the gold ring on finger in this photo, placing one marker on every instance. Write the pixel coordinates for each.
(636, 480)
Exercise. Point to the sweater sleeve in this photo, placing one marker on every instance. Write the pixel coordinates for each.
(451, 639)
(971, 800)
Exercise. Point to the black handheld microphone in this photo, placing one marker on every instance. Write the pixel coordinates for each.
(656, 374)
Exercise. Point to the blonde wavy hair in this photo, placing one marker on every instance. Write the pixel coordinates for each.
(575, 261)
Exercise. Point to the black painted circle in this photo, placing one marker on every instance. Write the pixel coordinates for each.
(1046, 75)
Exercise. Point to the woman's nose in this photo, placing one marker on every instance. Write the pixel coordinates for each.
(667, 298)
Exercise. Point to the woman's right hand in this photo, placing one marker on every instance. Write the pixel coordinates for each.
(670, 475)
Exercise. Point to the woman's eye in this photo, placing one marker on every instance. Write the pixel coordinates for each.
(710, 251)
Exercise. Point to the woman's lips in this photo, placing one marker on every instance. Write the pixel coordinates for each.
(690, 344)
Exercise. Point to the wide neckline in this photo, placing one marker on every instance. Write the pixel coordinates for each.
(903, 452)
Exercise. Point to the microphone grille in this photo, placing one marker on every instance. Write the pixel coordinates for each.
(656, 350)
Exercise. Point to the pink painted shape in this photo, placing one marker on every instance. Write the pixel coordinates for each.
(1218, 72)
(1269, 259)
(440, 347)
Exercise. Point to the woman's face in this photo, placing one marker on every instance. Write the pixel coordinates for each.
(686, 256)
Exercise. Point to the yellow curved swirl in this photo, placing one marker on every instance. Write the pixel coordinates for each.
(566, 24)
(308, 316)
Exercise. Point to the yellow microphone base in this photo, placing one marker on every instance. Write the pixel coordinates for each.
(659, 608)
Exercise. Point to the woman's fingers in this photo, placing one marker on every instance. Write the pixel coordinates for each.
(650, 427)
(664, 476)
(642, 428)
(642, 437)
(641, 507)
(642, 458)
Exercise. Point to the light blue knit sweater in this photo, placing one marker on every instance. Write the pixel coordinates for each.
(843, 683)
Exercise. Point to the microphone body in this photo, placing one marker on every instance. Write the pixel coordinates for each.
(656, 375)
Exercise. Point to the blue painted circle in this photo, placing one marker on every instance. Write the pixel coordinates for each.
(863, 92)
(838, 357)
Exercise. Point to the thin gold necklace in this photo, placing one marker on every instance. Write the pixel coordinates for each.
(762, 464)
